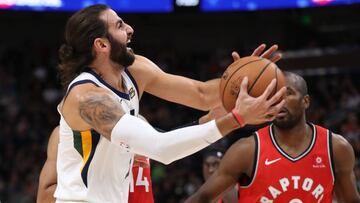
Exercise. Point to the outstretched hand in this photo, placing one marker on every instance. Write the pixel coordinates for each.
(268, 54)
(260, 109)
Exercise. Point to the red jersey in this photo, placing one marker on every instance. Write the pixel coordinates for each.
(278, 177)
(140, 186)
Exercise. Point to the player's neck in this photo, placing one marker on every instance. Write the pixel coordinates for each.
(110, 72)
(294, 137)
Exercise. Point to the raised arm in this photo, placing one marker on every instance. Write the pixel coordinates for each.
(231, 166)
(175, 88)
(48, 176)
(182, 90)
(345, 182)
(90, 107)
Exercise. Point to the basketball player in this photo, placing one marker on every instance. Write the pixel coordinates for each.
(140, 184)
(210, 164)
(99, 130)
(140, 187)
(290, 160)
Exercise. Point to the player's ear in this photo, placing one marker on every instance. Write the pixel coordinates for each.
(306, 101)
(101, 45)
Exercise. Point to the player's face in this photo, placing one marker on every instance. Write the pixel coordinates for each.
(293, 110)
(210, 165)
(120, 36)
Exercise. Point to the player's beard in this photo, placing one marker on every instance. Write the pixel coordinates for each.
(289, 121)
(120, 54)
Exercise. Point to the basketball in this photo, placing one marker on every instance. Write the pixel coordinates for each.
(260, 72)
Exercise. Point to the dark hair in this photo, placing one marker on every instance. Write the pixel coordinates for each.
(81, 30)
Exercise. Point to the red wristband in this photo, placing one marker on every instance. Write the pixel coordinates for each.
(238, 118)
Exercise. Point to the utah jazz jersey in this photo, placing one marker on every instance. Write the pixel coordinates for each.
(141, 185)
(90, 168)
(278, 177)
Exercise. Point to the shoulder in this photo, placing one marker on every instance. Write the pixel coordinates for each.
(142, 63)
(245, 144)
(340, 144)
(84, 91)
(243, 148)
(342, 151)
(87, 99)
(144, 71)
(241, 154)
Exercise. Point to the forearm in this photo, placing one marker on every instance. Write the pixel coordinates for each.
(170, 146)
(210, 94)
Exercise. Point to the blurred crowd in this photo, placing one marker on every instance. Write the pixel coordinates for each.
(30, 92)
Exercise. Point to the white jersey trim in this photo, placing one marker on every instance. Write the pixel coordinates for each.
(303, 154)
(329, 147)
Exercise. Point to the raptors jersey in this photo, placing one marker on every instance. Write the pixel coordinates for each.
(90, 168)
(278, 177)
(141, 185)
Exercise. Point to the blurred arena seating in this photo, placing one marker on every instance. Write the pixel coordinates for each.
(323, 45)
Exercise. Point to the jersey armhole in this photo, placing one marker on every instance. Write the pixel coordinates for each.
(255, 164)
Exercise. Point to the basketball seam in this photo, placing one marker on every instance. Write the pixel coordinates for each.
(257, 78)
(226, 83)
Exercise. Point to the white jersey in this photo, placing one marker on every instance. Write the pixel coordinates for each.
(90, 168)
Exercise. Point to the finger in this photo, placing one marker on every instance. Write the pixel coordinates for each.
(270, 118)
(235, 56)
(276, 109)
(243, 86)
(277, 96)
(279, 106)
(276, 57)
(269, 89)
(270, 51)
(259, 50)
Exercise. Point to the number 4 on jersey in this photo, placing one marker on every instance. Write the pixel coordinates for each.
(140, 181)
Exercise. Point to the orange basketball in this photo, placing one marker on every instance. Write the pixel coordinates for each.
(260, 72)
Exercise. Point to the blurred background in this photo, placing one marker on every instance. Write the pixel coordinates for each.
(319, 39)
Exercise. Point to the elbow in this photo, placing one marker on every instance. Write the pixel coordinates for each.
(45, 195)
(209, 96)
(167, 162)
(162, 153)
(203, 98)
(205, 104)
(163, 157)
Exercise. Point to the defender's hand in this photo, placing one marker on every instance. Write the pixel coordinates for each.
(268, 54)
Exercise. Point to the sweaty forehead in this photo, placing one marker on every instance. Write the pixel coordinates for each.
(290, 81)
(293, 83)
(110, 17)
